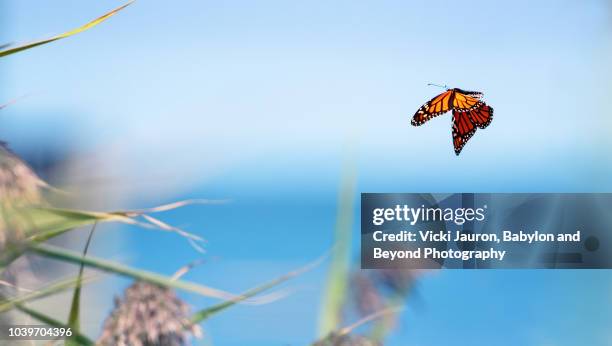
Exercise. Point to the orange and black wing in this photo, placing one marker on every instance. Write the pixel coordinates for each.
(481, 116)
(465, 99)
(434, 107)
(463, 129)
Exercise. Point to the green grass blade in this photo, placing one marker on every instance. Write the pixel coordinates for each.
(79, 338)
(47, 223)
(8, 255)
(329, 340)
(206, 313)
(55, 252)
(12, 50)
(59, 286)
(75, 307)
(337, 277)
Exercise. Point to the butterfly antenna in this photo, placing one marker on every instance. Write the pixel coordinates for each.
(438, 85)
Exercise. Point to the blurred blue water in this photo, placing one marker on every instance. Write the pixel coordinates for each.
(266, 231)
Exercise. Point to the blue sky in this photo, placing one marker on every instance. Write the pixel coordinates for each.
(262, 101)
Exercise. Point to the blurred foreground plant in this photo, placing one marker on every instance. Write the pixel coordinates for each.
(19, 186)
(150, 312)
(376, 295)
(8, 49)
(346, 340)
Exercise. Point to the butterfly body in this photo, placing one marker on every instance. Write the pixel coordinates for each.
(469, 113)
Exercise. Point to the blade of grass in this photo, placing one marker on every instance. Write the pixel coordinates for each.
(185, 269)
(381, 327)
(75, 307)
(180, 204)
(50, 321)
(52, 222)
(12, 286)
(46, 223)
(337, 277)
(13, 101)
(374, 316)
(7, 304)
(51, 251)
(328, 339)
(10, 253)
(15, 49)
(208, 312)
(191, 238)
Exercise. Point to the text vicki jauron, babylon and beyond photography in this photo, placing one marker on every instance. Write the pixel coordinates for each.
(440, 236)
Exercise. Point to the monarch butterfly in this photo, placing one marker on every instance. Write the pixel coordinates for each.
(469, 113)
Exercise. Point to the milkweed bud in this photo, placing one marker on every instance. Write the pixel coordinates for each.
(148, 315)
(19, 187)
(346, 340)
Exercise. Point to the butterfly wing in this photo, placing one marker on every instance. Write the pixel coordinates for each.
(463, 129)
(466, 99)
(432, 108)
(481, 116)
(474, 94)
